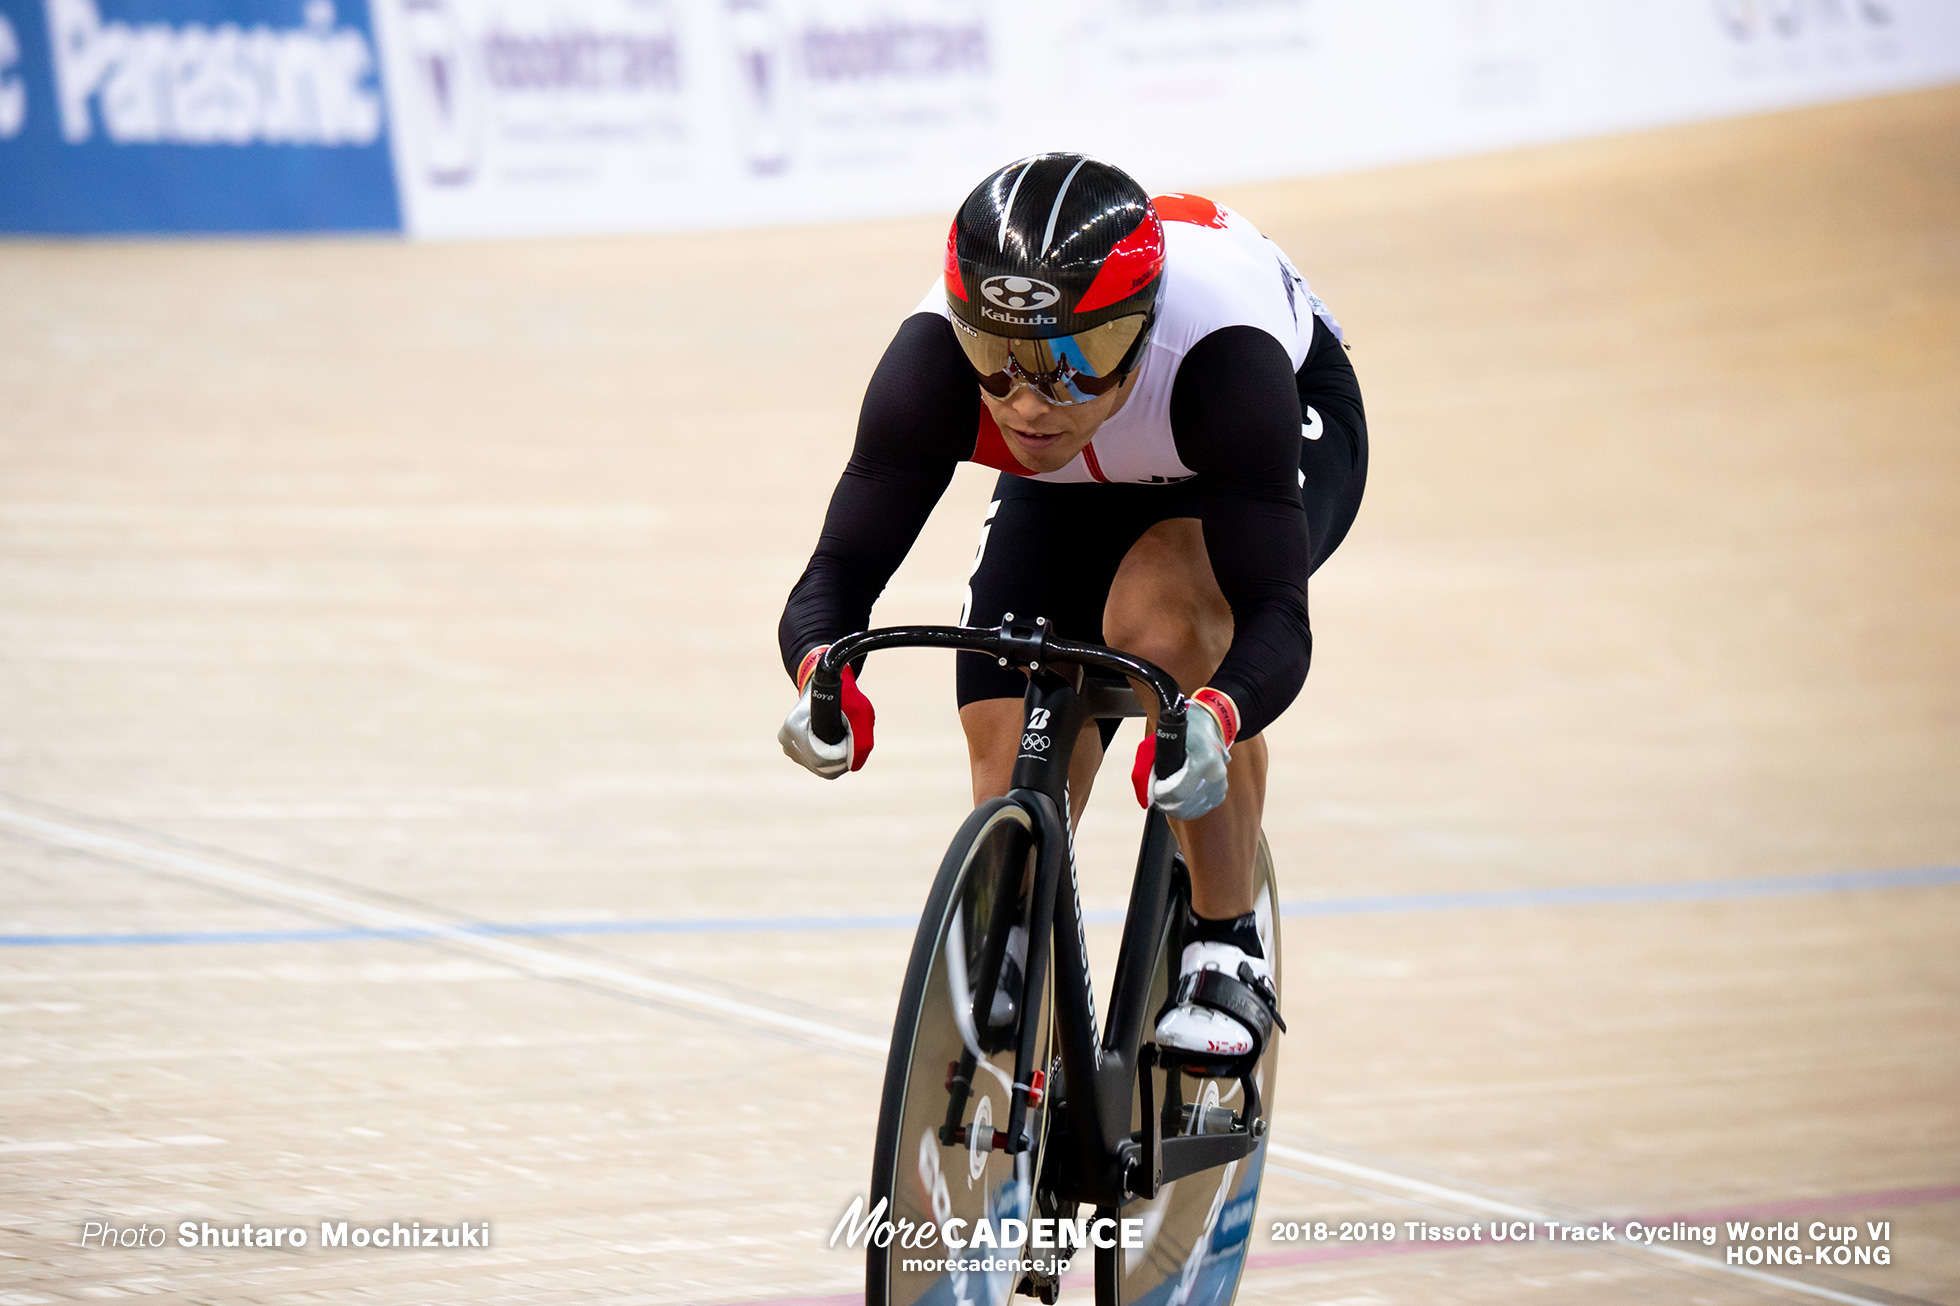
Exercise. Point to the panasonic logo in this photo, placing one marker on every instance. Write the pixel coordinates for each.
(216, 85)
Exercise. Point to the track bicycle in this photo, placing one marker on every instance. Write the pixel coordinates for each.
(1003, 1104)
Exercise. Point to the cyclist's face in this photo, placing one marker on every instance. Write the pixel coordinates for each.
(1045, 437)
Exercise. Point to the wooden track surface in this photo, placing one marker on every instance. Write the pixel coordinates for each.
(345, 577)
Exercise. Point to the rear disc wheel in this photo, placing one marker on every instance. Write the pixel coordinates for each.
(1197, 1230)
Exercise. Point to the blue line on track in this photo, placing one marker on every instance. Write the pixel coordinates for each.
(1778, 886)
(1774, 886)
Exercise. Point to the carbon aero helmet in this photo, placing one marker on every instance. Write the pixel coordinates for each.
(1052, 268)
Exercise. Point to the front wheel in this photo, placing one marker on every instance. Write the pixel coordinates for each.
(948, 1081)
(1197, 1230)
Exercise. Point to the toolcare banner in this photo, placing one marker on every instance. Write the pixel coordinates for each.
(554, 115)
(509, 117)
(192, 115)
(520, 116)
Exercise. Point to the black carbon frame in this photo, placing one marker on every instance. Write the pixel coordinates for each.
(1093, 1156)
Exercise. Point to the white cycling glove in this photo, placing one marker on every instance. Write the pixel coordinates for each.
(800, 742)
(1199, 785)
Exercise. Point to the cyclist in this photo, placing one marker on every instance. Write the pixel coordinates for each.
(1181, 441)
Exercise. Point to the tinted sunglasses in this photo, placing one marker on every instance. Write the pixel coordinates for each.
(1061, 369)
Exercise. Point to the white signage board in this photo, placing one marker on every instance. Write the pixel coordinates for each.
(545, 116)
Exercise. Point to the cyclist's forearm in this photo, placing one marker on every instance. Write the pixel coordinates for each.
(820, 609)
(1267, 664)
(1260, 552)
(875, 515)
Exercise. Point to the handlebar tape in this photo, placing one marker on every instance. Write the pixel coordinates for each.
(827, 705)
(1170, 742)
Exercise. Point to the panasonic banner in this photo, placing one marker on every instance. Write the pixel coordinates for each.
(192, 115)
(459, 118)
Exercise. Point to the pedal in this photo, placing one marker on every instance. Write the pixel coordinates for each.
(1198, 1118)
(1200, 1066)
(1044, 1283)
(1043, 1287)
(1209, 1119)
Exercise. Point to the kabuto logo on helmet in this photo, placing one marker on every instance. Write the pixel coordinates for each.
(1024, 294)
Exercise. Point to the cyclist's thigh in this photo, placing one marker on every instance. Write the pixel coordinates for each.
(1052, 551)
(1165, 605)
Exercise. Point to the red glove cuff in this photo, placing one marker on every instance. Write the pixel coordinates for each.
(809, 664)
(1222, 707)
(858, 712)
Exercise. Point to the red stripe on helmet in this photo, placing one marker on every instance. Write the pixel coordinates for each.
(1194, 209)
(953, 285)
(1132, 265)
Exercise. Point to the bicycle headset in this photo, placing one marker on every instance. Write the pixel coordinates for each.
(1052, 269)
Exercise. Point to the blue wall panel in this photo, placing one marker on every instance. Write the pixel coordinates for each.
(192, 115)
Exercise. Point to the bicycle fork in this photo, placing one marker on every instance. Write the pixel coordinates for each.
(1029, 1086)
(1054, 715)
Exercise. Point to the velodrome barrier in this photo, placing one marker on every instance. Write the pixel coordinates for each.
(456, 118)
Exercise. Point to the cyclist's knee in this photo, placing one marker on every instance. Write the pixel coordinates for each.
(1165, 604)
(1183, 639)
(993, 736)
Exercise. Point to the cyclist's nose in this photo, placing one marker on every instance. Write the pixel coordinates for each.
(1025, 404)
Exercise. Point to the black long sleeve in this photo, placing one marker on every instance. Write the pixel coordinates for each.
(1235, 415)
(920, 414)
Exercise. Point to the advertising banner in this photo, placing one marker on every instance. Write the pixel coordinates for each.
(522, 117)
(591, 115)
(191, 115)
(536, 116)
(1241, 90)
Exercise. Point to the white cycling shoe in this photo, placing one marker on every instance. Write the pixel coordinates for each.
(1223, 1009)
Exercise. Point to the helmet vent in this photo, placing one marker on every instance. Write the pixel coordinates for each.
(1048, 236)
(1007, 209)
